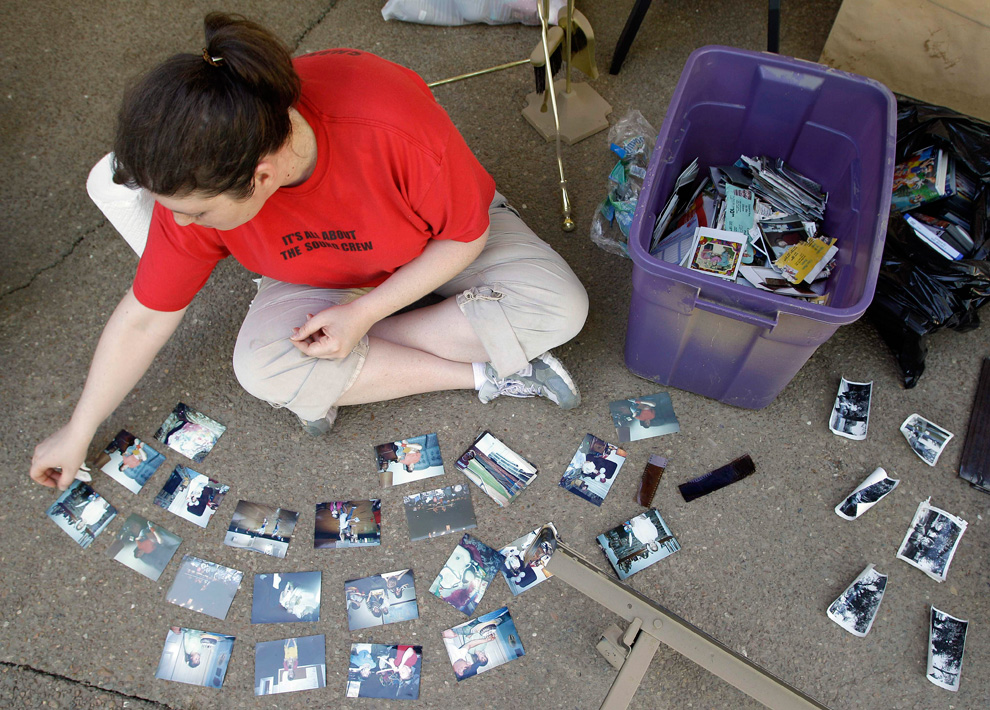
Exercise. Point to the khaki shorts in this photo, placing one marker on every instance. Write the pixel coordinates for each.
(520, 297)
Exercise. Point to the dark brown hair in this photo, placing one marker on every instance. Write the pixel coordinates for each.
(202, 122)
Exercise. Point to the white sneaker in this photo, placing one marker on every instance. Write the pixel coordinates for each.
(544, 376)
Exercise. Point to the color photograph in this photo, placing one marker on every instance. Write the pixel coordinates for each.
(204, 586)
(81, 513)
(290, 665)
(482, 644)
(195, 657)
(497, 470)
(592, 471)
(191, 495)
(129, 461)
(444, 511)
(263, 528)
(411, 459)
(381, 599)
(643, 417)
(381, 671)
(467, 573)
(638, 543)
(144, 546)
(191, 433)
(522, 568)
(348, 523)
(286, 597)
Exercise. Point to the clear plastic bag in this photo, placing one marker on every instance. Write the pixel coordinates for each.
(466, 12)
(632, 139)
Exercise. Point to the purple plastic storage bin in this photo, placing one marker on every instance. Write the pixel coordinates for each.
(731, 342)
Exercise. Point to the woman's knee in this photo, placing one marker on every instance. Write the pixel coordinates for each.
(256, 369)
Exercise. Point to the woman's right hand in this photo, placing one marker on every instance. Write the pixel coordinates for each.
(57, 458)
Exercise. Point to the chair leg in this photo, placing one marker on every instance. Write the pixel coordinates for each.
(635, 19)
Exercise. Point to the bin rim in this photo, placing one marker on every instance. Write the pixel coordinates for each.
(782, 304)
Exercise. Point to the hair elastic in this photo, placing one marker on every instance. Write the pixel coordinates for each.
(211, 60)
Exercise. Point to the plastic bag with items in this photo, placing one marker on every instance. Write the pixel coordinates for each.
(919, 291)
(467, 12)
(632, 139)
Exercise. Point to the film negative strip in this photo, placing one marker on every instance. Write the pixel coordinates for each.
(719, 478)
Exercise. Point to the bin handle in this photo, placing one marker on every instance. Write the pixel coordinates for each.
(756, 319)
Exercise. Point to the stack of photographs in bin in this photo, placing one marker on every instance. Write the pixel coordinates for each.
(756, 222)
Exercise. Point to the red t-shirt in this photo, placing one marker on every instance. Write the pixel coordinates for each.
(392, 173)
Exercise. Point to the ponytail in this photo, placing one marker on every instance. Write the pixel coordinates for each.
(201, 123)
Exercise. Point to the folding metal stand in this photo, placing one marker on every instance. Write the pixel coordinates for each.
(650, 624)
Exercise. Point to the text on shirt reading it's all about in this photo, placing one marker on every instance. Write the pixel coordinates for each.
(298, 243)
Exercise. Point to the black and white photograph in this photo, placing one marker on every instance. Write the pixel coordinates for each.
(593, 469)
(204, 586)
(497, 470)
(129, 461)
(925, 438)
(467, 573)
(191, 495)
(281, 597)
(191, 433)
(638, 543)
(931, 541)
(524, 568)
(144, 546)
(290, 665)
(382, 671)
(195, 657)
(81, 513)
(946, 644)
(866, 494)
(482, 644)
(348, 523)
(263, 528)
(851, 412)
(408, 460)
(857, 607)
(443, 511)
(381, 599)
(643, 417)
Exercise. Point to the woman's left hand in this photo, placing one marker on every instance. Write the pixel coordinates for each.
(331, 334)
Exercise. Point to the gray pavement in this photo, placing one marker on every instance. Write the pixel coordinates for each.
(760, 560)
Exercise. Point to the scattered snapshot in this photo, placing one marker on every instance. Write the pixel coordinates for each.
(195, 657)
(82, 513)
(481, 644)
(381, 671)
(857, 607)
(715, 480)
(348, 523)
(638, 543)
(191, 495)
(524, 572)
(717, 252)
(285, 597)
(926, 438)
(409, 460)
(263, 528)
(851, 412)
(144, 546)
(946, 644)
(497, 470)
(443, 511)
(191, 433)
(931, 541)
(644, 417)
(129, 461)
(381, 599)
(204, 586)
(866, 495)
(467, 573)
(592, 471)
(290, 665)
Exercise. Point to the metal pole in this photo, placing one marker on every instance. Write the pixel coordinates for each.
(666, 627)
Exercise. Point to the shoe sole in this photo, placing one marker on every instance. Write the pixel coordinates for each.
(558, 367)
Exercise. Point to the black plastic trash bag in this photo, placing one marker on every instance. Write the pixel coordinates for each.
(918, 291)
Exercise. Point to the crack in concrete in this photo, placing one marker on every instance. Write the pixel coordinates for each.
(58, 676)
(312, 25)
(58, 262)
